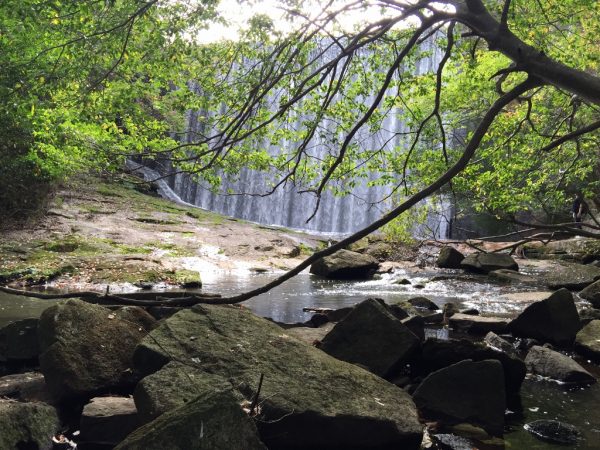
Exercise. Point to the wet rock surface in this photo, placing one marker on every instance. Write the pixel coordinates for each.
(487, 262)
(345, 265)
(549, 363)
(553, 431)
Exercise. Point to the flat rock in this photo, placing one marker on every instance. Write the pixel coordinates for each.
(591, 293)
(28, 386)
(345, 265)
(27, 425)
(571, 276)
(477, 324)
(107, 421)
(19, 340)
(486, 262)
(549, 363)
(449, 258)
(308, 399)
(587, 340)
(212, 421)
(554, 320)
(371, 326)
(467, 391)
(88, 349)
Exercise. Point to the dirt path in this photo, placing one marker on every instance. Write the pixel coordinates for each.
(97, 232)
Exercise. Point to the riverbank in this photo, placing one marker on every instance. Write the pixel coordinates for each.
(98, 232)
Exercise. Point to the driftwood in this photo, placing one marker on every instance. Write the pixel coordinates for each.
(168, 298)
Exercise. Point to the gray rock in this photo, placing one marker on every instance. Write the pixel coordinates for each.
(416, 324)
(549, 363)
(106, 421)
(437, 354)
(486, 262)
(477, 324)
(214, 421)
(592, 294)
(304, 388)
(570, 276)
(423, 302)
(467, 391)
(496, 342)
(28, 386)
(586, 315)
(449, 258)
(19, 340)
(172, 386)
(371, 326)
(511, 276)
(379, 250)
(553, 431)
(87, 348)
(27, 425)
(554, 320)
(345, 265)
(587, 341)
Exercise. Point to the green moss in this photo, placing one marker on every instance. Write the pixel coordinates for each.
(189, 278)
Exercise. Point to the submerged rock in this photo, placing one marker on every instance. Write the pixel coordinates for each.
(553, 431)
(212, 421)
(87, 348)
(549, 363)
(449, 258)
(467, 391)
(368, 327)
(587, 341)
(554, 320)
(308, 399)
(27, 425)
(345, 265)
(486, 262)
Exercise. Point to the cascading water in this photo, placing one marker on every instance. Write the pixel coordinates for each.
(289, 208)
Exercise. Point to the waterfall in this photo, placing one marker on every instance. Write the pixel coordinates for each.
(288, 207)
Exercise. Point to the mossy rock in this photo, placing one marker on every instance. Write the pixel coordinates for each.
(27, 425)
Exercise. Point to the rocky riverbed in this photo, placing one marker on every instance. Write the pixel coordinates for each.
(411, 370)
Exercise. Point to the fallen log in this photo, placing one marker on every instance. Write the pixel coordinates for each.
(167, 298)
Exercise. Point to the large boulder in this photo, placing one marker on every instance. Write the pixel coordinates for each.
(106, 421)
(554, 320)
(467, 391)
(19, 340)
(449, 258)
(570, 276)
(342, 405)
(437, 354)
(345, 265)
(172, 386)
(88, 349)
(27, 425)
(477, 324)
(213, 421)
(372, 337)
(587, 340)
(549, 363)
(486, 262)
(592, 294)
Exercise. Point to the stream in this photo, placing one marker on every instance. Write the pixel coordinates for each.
(540, 399)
